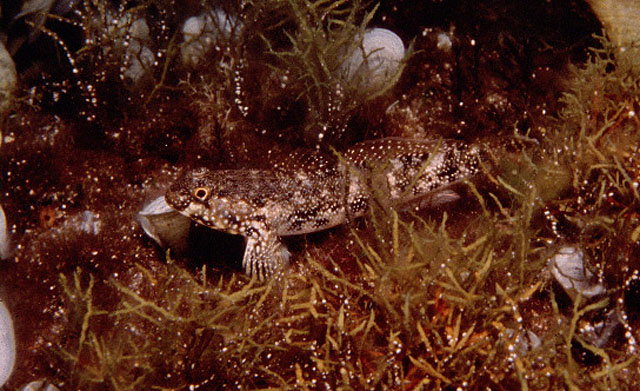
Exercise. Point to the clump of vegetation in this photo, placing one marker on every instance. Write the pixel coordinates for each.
(279, 70)
(319, 39)
(282, 73)
(458, 299)
(595, 143)
(324, 35)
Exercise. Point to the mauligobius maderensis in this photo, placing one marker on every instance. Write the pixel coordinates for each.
(314, 191)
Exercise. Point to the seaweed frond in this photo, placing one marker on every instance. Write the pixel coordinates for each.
(320, 40)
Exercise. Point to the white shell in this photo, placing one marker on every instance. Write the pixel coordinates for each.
(444, 42)
(131, 38)
(525, 341)
(7, 344)
(376, 61)
(121, 27)
(203, 32)
(164, 225)
(139, 29)
(140, 60)
(39, 385)
(193, 27)
(5, 246)
(567, 267)
(8, 80)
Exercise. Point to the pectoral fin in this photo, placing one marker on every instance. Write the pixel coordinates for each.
(264, 255)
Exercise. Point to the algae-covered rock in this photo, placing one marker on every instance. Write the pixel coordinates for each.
(621, 19)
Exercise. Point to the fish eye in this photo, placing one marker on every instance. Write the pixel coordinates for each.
(201, 193)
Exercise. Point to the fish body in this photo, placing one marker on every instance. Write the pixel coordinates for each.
(313, 191)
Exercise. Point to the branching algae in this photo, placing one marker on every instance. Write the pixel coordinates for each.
(321, 39)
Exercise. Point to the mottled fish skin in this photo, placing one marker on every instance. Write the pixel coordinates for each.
(313, 191)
